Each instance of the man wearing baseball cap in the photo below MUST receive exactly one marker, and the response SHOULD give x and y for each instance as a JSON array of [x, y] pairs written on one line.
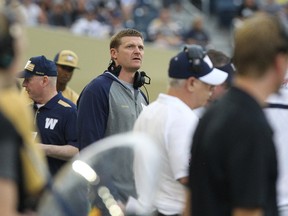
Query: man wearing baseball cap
[[66, 61], [55, 115], [170, 121]]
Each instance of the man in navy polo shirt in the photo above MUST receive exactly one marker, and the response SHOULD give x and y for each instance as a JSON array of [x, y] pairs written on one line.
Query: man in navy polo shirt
[[55, 116]]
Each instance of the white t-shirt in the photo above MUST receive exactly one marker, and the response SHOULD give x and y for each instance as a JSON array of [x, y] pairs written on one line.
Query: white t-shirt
[[171, 124], [278, 118]]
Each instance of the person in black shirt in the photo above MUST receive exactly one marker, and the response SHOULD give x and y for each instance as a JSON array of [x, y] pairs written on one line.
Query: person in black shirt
[[233, 168]]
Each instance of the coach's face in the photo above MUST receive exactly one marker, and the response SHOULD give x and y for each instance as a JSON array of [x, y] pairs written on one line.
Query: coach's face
[[64, 74], [34, 86], [202, 92], [129, 54]]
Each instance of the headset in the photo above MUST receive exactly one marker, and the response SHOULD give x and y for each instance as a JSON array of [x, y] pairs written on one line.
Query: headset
[[140, 78], [195, 54], [7, 51]]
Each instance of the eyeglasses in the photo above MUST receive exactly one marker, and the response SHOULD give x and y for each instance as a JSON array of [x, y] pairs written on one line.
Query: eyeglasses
[[67, 68]]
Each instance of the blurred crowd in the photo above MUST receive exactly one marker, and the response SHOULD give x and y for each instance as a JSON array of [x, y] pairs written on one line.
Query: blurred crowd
[[229, 13], [168, 23]]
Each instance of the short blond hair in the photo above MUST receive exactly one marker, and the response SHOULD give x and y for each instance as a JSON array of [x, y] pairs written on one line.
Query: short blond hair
[[116, 39], [257, 42]]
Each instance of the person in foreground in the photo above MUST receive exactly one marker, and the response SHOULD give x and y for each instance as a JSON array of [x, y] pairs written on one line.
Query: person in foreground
[[23, 168], [233, 168]]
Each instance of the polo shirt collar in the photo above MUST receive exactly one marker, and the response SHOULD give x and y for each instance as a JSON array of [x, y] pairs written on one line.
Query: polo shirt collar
[[51, 103]]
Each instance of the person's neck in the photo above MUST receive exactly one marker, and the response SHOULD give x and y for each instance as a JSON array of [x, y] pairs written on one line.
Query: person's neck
[[61, 87], [127, 76], [259, 89], [182, 95], [47, 97]]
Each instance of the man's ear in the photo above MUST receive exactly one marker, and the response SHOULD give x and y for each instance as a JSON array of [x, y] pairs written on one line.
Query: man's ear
[[281, 63], [113, 53], [45, 80], [190, 84]]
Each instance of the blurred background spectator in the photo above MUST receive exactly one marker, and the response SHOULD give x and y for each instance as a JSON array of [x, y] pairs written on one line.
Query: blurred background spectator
[[163, 22], [164, 31], [247, 8], [88, 25], [180, 15], [271, 7], [127, 7], [33, 13], [143, 13], [61, 13], [197, 34]]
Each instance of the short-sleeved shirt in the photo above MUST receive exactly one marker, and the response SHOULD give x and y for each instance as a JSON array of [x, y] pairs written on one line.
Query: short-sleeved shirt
[[170, 123], [56, 122], [233, 158]]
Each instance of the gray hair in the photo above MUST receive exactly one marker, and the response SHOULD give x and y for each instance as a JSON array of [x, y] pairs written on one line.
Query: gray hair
[[53, 80], [173, 82]]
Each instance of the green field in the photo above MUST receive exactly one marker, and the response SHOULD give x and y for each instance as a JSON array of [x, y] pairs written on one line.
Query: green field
[[94, 56]]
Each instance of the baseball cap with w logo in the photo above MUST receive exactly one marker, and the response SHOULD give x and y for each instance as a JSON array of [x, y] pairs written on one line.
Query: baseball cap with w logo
[[39, 66]]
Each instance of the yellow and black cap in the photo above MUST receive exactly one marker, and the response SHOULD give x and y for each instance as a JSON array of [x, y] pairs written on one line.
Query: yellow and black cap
[[66, 58]]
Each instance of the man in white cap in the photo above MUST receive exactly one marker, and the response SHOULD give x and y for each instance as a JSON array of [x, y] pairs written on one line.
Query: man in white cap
[[66, 61], [170, 121]]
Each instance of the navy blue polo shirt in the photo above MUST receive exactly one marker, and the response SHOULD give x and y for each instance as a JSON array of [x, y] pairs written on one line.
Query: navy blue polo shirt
[[56, 123]]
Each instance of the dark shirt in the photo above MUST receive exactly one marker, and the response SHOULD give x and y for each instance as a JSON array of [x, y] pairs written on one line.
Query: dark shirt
[[233, 162], [244, 11], [56, 122], [200, 36]]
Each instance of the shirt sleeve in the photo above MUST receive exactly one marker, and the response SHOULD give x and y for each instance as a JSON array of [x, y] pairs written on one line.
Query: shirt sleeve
[[93, 110], [71, 129]]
